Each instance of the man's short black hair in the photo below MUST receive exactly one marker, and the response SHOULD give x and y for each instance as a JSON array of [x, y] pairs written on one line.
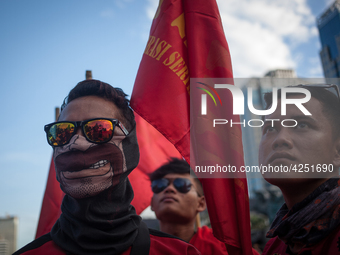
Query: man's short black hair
[[175, 166], [104, 90], [329, 101]]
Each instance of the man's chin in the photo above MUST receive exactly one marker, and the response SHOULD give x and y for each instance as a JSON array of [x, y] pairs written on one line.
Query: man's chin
[[88, 186], [294, 176], [269, 177], [277, 181]]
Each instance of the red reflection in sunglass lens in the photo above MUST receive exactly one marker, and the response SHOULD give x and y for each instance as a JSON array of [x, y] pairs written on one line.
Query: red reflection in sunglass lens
[[98, 130], [60, 133]]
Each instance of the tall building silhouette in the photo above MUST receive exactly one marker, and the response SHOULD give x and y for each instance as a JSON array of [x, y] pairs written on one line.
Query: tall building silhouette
[[8, 235], [329, 30]]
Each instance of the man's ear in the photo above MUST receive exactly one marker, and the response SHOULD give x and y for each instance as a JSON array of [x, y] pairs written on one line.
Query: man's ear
[[201, 204], [336, 160], [151, 205]]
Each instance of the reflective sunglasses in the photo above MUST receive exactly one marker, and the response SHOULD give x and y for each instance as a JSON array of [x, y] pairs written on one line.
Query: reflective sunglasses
[[99, 130], [182, 185], [330, 87]]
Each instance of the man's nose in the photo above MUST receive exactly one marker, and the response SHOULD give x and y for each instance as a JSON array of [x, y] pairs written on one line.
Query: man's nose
[[283, 139], [170, 189], [79, 131]]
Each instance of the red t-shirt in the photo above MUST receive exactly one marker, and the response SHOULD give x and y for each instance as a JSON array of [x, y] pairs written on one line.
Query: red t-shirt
[[159, 245], [206, 243]]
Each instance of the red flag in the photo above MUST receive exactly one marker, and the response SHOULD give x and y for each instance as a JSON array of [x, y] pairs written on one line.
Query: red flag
[[155, 150], [187, 38], [50, 208]]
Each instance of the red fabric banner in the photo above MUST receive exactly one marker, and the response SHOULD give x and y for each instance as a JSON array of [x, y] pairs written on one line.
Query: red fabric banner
[[155, 150], [187, 41], [50, 208]]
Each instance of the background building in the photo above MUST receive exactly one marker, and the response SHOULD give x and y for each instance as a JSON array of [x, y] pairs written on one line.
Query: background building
[[329, 29], [8, 235], [4, 246]]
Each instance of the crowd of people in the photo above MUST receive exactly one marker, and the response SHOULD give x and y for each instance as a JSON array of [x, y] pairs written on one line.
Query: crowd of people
[[97, 215]]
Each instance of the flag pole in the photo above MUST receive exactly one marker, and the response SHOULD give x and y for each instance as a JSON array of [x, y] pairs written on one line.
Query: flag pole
[[57, 113], [53, 196], [88, 75]]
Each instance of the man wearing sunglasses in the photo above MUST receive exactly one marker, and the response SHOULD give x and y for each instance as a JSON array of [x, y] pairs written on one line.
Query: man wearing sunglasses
[[309, 221], [94, 149], [177, 199]]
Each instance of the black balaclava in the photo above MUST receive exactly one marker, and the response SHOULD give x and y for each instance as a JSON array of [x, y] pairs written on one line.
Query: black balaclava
[[97, 217]]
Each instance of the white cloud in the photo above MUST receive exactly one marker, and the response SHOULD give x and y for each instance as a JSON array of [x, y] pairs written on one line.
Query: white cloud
[[262, 33], [151, 8], [253, 48], [285, 18]]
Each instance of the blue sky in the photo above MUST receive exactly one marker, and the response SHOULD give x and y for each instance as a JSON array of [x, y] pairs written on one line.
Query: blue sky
[[46, 47]]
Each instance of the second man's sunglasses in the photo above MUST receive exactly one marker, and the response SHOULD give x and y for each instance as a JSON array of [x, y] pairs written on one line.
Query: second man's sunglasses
[[182, 185]]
